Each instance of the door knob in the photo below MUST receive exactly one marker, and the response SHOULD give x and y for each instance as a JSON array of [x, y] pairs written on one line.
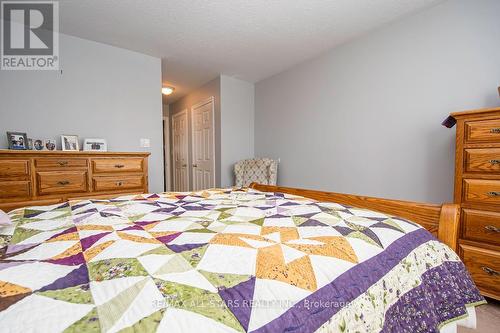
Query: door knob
[[195, 165], [184, 165]]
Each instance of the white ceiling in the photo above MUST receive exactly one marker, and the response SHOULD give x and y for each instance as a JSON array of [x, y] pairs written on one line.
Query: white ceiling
[[247, 39]]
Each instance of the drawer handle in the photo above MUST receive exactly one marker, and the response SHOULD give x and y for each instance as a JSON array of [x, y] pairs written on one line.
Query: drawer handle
[[492, 228], [63, 163], [493, 194], [119, 183], [490, 271], [495, 130], [495, 162], [119, 166], [63, 182]]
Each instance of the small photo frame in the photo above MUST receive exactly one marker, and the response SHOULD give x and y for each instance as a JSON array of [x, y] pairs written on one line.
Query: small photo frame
[[38, 144], [95, 145], [49, 144], [17, 140], [70, 143]]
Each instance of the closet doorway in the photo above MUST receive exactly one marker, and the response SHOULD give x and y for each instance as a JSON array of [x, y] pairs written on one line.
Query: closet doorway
[[193, 146], [180, 151], [203, 140]]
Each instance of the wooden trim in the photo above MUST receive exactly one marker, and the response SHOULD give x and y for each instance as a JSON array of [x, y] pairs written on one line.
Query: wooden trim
[[442, 220], [108, 196], [64, 153], [474, 112], [459, 165], [449, 225], [9, 206]]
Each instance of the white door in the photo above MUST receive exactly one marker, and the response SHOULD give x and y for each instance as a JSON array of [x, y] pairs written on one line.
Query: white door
[[203, 145], [180, 151]]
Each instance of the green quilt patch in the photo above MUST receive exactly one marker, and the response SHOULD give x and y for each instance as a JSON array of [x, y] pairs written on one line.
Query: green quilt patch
[[197, 300], [194, 256], [115, 268], [79, 294], [87, 324]]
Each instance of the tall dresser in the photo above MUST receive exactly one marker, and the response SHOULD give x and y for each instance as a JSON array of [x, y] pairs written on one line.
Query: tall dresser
[[477, 190], [31, 178]]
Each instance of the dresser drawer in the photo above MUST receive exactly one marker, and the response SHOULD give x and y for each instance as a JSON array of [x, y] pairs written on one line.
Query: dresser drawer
[[11, 205], [484, 267], [482, 160], [14, 189], [482, 130], [481, 226], [60, 163], [52, 182], [118, 183], [14, 168], [105, 165], [482, 191]]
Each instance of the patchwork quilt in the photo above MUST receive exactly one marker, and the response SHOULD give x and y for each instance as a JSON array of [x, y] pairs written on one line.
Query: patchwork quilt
[[225, 261]]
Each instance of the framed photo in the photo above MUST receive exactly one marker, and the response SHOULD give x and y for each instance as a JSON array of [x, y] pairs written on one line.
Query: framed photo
[[95, 145], [17, 140], [49, 144], [70, 142], [37, 144]]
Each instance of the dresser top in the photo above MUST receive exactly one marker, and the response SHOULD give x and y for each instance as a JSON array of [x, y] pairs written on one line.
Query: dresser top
[[70, 153], [474, 112]]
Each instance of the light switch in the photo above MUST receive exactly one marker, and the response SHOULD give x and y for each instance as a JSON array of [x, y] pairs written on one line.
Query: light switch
[[145, 143]]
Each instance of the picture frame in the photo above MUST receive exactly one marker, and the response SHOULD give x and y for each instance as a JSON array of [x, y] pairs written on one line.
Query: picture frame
[[70, 142], [17, 140], [38, 144], [49, 144], [95, 144]]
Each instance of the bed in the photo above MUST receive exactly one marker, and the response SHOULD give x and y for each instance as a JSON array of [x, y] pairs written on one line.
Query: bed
[[258, 259]]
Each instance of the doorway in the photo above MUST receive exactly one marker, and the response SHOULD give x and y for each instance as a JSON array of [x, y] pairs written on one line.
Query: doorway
[[180, 151], [166, 154], [203, 145]]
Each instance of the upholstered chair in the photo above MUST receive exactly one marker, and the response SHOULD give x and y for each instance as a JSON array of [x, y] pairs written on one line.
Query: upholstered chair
[[260, 170]]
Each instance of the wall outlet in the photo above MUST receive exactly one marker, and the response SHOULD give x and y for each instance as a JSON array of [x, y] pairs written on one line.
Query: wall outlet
[[145, 143]]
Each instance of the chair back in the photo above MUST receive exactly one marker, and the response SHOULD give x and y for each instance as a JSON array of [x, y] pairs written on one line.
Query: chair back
[[259, 170]]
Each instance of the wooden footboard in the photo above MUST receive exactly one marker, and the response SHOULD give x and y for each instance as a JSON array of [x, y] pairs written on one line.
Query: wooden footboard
[[441, 220]]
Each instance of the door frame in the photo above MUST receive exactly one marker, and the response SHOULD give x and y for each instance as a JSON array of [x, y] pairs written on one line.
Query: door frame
[[167, 163], [211, 99], [186, 147]]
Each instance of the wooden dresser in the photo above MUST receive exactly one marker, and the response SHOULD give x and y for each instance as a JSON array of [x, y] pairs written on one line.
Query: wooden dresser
[[29, 178], [477, 190]]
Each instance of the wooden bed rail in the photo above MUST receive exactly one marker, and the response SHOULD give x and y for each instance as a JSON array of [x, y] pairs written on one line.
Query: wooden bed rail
[[441, 220]]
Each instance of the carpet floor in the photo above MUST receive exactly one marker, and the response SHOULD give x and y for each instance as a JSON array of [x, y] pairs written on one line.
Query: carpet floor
[[488, 318]]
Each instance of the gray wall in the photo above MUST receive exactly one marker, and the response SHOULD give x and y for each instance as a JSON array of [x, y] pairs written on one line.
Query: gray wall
[[237, 125], [103, 92], [365, 117], [204, 92]]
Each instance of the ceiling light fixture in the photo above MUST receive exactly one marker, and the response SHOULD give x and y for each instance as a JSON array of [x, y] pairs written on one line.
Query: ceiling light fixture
[[167, 90]]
